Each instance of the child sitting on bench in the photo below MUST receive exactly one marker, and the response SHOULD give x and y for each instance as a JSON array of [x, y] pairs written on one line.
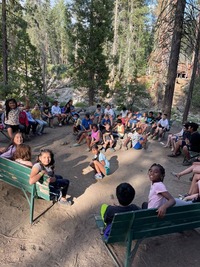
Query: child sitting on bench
[[125, 194], [159, 198]]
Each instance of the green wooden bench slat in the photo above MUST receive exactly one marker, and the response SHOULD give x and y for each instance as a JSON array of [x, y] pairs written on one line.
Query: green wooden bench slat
[[17, 175], [145, 223]]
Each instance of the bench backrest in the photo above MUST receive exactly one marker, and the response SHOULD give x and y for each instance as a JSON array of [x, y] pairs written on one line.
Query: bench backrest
[[17, 175], [145, 223]]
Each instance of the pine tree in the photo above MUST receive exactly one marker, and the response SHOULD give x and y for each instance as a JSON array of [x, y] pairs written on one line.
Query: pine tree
[[92, 32]]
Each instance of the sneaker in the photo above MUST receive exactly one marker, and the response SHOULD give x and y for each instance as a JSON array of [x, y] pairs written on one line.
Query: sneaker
[[98, 176], [76, 144], [65, 202], [39, 134], [87, 150], [103, 150], [60, 124], [112, 149]]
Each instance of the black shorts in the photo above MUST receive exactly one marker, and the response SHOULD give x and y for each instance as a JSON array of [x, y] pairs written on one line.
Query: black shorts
[[15, 128]]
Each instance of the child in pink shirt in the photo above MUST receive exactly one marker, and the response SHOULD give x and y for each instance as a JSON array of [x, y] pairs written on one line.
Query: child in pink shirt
[[159, 197]]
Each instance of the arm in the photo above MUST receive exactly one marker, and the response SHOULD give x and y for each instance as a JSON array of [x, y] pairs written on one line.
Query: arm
[[104, 137], [35, 175], [171, 202], [98, 137]]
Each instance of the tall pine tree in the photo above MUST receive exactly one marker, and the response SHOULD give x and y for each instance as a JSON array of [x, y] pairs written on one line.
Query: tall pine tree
[[92, 32]]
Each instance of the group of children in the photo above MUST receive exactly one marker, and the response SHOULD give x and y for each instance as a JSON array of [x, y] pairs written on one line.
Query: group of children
[[131, 129], [19, 117], [159, 197], [21, 153]]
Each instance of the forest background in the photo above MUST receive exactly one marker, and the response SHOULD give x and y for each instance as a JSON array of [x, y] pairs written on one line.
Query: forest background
[[129, 52]]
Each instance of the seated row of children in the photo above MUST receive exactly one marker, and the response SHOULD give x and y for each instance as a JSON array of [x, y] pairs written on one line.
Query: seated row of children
[[106, 134], [17, 116], [187, 140]]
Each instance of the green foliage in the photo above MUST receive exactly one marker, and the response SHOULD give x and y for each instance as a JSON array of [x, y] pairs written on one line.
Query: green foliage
[[130, 95], [80, 105], [92, 30], [24, 72], [196, 94]]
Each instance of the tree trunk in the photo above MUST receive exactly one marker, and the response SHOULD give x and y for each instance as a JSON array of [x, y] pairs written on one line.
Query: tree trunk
[[194, 71], [4, 46], [174, 57], [114, 47]]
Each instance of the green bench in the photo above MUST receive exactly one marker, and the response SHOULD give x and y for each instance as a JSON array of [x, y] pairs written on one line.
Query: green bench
[[142, 224], [17, 175]]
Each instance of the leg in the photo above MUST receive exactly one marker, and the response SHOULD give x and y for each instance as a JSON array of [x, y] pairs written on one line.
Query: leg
[[88, 141], [194, 185], [61, 183], [83, 136], [168, 140], [99, 167], [10, 132], [186, 152]]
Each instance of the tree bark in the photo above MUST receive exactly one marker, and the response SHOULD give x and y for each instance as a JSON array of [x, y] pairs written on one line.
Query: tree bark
[[174, 57], [4, 46], [194, 71]]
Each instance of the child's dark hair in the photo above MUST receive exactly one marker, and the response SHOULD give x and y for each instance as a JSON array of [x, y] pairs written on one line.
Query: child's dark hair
[[95, 125], [138, 128], [161, 168], [8, 109], [51, 155], [87, 115], [119, 121], [95, 146], [23, 152], [125, 194]]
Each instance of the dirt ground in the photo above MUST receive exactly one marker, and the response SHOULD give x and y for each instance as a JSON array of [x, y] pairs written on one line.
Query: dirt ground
[[67, 236]]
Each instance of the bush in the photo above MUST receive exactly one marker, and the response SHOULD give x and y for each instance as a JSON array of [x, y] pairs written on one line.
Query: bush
[[80, 105]]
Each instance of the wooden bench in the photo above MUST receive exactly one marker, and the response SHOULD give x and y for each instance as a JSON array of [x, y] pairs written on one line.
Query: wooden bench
[[17, 175], [142, 224]]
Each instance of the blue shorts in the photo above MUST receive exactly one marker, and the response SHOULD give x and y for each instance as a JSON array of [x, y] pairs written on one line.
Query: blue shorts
[[137, 146]]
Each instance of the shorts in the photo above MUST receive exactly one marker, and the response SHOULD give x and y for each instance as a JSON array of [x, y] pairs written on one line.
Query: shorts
[[138, 146], [107, 170], [15, 128]]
